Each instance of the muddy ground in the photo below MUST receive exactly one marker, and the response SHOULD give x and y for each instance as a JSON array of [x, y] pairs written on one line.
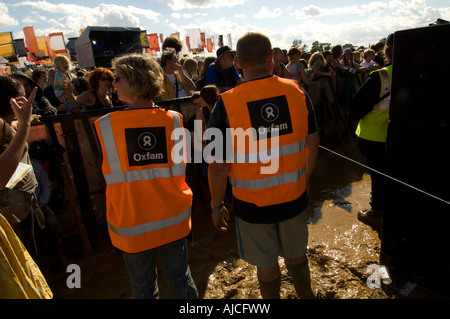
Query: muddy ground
[[340, 248]]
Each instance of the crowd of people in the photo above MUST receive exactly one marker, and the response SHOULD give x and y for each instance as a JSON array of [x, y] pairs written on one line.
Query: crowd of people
[[220, 89]]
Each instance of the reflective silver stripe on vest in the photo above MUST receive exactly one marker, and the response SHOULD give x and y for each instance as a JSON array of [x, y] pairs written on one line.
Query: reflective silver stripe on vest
[[148, 174], [150, 226], [269, 181], [269, 154], [109, 143], [386, 88], [117, 175]]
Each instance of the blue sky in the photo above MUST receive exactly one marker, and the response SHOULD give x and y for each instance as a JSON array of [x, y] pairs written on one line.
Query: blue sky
[[358, 22]]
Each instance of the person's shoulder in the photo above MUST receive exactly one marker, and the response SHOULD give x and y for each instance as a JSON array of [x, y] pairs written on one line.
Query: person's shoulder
[[212, 66], [375, 74]]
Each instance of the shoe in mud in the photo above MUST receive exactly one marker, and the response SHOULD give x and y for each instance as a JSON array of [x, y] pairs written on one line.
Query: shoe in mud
[[370, 217]]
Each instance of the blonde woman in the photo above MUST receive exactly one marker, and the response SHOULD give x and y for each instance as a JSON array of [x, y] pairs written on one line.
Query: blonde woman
[[191, 67], [317, 61], [148, 203]]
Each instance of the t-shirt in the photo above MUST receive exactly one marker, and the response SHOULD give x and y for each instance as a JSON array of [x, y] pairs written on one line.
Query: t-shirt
[[213, 78], [295, 69], [177, 85]]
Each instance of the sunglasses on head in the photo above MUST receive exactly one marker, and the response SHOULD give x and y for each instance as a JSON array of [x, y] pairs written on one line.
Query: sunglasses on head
[[105, 79]]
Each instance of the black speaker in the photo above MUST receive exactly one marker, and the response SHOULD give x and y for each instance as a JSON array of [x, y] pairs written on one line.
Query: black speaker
[[416, 222]]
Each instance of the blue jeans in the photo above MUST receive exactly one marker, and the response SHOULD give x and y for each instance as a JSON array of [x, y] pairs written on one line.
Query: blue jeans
[[143, 274]]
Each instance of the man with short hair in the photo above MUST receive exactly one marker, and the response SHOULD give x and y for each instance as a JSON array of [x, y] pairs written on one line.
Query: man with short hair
[[222, 72], [269, 204]]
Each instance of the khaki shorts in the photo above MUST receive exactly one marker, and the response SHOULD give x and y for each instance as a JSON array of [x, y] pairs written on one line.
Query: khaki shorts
[[261, 244]]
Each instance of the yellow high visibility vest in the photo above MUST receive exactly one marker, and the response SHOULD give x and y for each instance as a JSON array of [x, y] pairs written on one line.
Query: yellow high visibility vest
[[373, 126]]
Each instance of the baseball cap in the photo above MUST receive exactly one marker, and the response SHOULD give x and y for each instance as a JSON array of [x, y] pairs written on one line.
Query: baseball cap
[[220, 51]]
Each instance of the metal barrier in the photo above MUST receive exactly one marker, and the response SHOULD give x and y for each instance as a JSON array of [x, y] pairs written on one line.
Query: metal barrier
[[79, 165]]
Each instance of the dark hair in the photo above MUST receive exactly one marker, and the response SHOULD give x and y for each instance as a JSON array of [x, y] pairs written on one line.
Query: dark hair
[[195, 95], [9, 88], [210, 93], [336, 51], [172, 42], [167, 54], [206, 64], [37, 73]]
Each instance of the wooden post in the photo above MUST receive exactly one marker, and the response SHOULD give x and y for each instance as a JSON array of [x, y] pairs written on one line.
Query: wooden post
[[72, 196]]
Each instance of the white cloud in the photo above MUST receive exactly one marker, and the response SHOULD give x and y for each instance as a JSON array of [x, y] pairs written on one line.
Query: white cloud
[[28, 21], [265, 13], [374, 7], [75, 17], [178, 15], [367, 24], [190, 4], [5, 19], [315, 11]]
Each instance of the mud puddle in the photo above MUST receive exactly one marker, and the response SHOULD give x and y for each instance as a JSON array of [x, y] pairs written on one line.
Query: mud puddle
[[340, 249]]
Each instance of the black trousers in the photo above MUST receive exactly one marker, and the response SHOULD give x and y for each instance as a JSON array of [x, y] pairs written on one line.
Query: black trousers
[[375, 154]]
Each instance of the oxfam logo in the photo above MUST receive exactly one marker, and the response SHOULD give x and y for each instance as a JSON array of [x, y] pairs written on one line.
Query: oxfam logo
[[270, 112], [147, 141]]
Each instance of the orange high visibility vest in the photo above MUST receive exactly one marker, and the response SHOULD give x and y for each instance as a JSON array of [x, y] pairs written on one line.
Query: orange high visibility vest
[[263, 108], [148, 203]]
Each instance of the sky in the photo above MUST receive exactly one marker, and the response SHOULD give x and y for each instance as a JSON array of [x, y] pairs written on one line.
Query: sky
[[358, 22]]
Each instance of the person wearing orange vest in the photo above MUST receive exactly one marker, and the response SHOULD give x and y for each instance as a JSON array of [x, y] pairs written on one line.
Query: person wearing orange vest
[[148, 203], [370, 106], [272, 134]]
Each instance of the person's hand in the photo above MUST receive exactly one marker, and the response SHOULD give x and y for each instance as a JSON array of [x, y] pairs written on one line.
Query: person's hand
[[179, 68], [22, 107], [317, 71], [67, 86], [220, 219]]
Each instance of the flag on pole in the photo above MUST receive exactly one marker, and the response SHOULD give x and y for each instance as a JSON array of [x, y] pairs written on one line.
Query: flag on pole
[[21, 49], [195, 39], [42, 44], [188, 43], [209, 45], [153, 41], [7, 49], [203, 39], [56, 45], [220, 42], [31, 42], [229, 40], [144, 39]]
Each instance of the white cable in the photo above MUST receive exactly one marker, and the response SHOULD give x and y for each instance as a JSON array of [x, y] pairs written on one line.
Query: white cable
[[394, 179]]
